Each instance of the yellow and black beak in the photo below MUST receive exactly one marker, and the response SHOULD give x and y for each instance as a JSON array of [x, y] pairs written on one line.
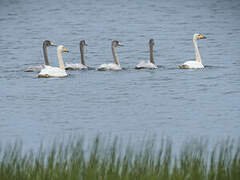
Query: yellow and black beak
[[65, 50], [202, 37]]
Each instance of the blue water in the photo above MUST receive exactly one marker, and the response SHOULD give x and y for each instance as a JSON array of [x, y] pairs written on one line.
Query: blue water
[[129, 103]]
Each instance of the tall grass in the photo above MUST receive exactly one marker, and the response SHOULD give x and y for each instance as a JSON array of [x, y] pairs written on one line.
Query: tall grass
[[111, 161]]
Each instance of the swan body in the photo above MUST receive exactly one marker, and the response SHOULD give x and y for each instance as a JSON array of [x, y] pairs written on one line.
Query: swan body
[[148, 64], [38, 68], [77, 66], [50, 71], [191, 65], [197, 64], [82, 65], [112, 66]]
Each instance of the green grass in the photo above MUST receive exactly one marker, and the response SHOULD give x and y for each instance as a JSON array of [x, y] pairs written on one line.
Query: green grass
[[110, 161]]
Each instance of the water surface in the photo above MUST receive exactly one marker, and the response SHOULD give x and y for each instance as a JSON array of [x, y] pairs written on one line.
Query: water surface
[[129, 103]]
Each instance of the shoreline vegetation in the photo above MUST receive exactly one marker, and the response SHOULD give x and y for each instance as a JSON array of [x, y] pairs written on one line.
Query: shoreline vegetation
[[102, 160]]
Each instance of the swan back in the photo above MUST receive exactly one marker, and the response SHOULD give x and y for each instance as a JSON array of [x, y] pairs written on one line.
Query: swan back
[[111, 66], [191, 65], [37, 68], [77, 66], [49, 71], [146, 65]]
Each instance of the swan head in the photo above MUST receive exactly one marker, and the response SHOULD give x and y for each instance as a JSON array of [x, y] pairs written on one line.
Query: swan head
[[151, 42], [62, 49], [116, 43], [48, 43], [198, 36], [83, 43]]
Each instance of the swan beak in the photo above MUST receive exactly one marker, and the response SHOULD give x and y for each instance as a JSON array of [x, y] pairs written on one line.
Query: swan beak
[[52, 44], [203, 37], [65, 50]]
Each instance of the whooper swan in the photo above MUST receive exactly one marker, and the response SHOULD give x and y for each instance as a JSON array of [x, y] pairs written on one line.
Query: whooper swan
[[148, 64], [82, 65], [50, 71], [38, 68], [198, 63], [115, 65]]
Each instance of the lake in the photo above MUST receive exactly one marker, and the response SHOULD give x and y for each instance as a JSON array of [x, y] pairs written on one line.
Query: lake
[[130, 103]]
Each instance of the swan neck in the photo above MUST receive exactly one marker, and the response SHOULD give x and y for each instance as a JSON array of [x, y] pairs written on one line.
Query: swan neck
[[198, 57], [60, 60], [82, 55], [45, 55], [115, 56], [151, 54]]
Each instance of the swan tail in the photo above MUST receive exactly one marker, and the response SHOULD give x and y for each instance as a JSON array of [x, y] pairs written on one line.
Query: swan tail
[[32, 69]]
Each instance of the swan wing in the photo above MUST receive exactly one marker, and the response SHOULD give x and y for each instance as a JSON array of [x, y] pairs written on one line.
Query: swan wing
[[37, 68], [112, 66]]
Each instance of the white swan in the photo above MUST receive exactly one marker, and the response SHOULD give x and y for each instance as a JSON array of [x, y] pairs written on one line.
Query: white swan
[[198, 63], [50, 71], [115, 65], [82, 65], [38, 68], [148, 64]]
